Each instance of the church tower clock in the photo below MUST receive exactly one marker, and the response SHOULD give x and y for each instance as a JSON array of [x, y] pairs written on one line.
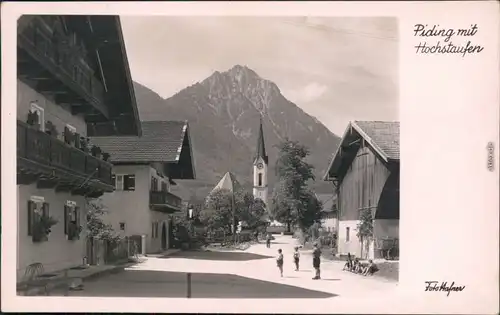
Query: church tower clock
[[260, 168]]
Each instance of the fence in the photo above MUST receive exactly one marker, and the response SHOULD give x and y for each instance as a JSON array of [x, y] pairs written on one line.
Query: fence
[[227, 238], [101, 252], [118, 251]]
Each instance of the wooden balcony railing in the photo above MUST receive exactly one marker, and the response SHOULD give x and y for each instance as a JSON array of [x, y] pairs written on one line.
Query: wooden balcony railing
[[64, 55], [39, 147], [165, 199]]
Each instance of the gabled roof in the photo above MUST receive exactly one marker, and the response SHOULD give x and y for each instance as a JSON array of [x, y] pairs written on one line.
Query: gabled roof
[[381, 136], [228, 182], [161, 141], [106, 37], [261, 147]]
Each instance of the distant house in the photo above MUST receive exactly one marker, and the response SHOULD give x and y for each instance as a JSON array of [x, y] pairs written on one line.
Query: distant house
[[365, 173], [144, 168], [328, 212], [67, 89]]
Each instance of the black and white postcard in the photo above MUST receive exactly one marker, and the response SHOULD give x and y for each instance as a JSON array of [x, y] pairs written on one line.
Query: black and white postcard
[[250, 157]]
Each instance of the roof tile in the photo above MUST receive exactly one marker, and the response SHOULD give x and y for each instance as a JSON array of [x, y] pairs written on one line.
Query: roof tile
[[161, 141], [384, 134]]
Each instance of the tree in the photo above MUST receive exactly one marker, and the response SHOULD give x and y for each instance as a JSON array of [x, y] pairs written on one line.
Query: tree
[[280, 206], [96, 228], [292, 201], [250, 210], [365, 226], [217, 213]]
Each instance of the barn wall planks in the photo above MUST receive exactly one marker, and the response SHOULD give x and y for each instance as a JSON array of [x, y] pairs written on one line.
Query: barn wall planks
[[362, 185]]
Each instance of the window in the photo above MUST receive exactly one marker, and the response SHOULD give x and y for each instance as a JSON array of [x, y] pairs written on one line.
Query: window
[[36, 210], [260, 179], [154, 230], [347, 236], [41, 114], [128, 182], [154, 183], [164, 186], [122, 226], [123, 182], [71, 219]]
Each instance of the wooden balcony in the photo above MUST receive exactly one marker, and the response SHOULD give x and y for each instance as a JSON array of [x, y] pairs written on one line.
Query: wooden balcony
[[164, 201], [53, 164], [57, 63]]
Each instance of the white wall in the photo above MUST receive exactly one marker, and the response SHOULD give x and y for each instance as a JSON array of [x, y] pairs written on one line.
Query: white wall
[[57, 253], [381, 229], [59, 115], [130, 207], [352, 246]]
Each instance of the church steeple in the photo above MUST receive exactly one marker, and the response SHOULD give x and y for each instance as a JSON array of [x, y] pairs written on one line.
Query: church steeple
[[260, 167], [261, 148]]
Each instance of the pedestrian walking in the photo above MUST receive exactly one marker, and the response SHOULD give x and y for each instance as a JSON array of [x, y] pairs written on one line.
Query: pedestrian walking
[[268, 240], [317, 261], [279, 261], [296, 258]]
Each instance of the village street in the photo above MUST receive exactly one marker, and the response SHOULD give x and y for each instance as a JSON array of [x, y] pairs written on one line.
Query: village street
[[249, 274]]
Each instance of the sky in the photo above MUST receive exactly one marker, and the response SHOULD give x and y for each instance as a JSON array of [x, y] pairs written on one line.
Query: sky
[[336, 69]]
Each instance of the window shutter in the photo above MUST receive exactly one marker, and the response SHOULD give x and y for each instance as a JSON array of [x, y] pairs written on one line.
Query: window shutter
[[66, 221], [77, 213], [45, 209], [119, 182], [129, 182], [30, 217]]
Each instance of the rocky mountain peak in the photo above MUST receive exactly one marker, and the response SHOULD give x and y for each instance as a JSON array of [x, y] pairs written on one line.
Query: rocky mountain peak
[[240, 79], [223, 111]]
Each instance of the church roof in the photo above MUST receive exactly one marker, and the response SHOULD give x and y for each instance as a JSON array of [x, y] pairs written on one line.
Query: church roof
[[261, 148], [228, 182]]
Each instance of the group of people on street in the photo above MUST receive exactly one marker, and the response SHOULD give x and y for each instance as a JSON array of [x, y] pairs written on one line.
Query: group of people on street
[[296, 260], [358, 267]]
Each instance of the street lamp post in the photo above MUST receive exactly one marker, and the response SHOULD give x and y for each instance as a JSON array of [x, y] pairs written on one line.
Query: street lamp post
[[190, 219], [234, 217]]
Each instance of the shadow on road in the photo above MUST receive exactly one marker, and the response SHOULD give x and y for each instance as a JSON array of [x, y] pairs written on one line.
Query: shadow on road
[[149, 283], [217, 255]]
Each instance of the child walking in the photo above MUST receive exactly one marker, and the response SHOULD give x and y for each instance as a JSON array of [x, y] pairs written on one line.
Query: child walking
[[296, 258], [279, 261], [317, 261]]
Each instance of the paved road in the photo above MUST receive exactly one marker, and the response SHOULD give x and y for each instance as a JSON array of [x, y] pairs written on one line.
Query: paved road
[[249, 274]]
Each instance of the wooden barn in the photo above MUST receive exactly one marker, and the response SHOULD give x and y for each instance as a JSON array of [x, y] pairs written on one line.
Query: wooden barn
[[365, 175]]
